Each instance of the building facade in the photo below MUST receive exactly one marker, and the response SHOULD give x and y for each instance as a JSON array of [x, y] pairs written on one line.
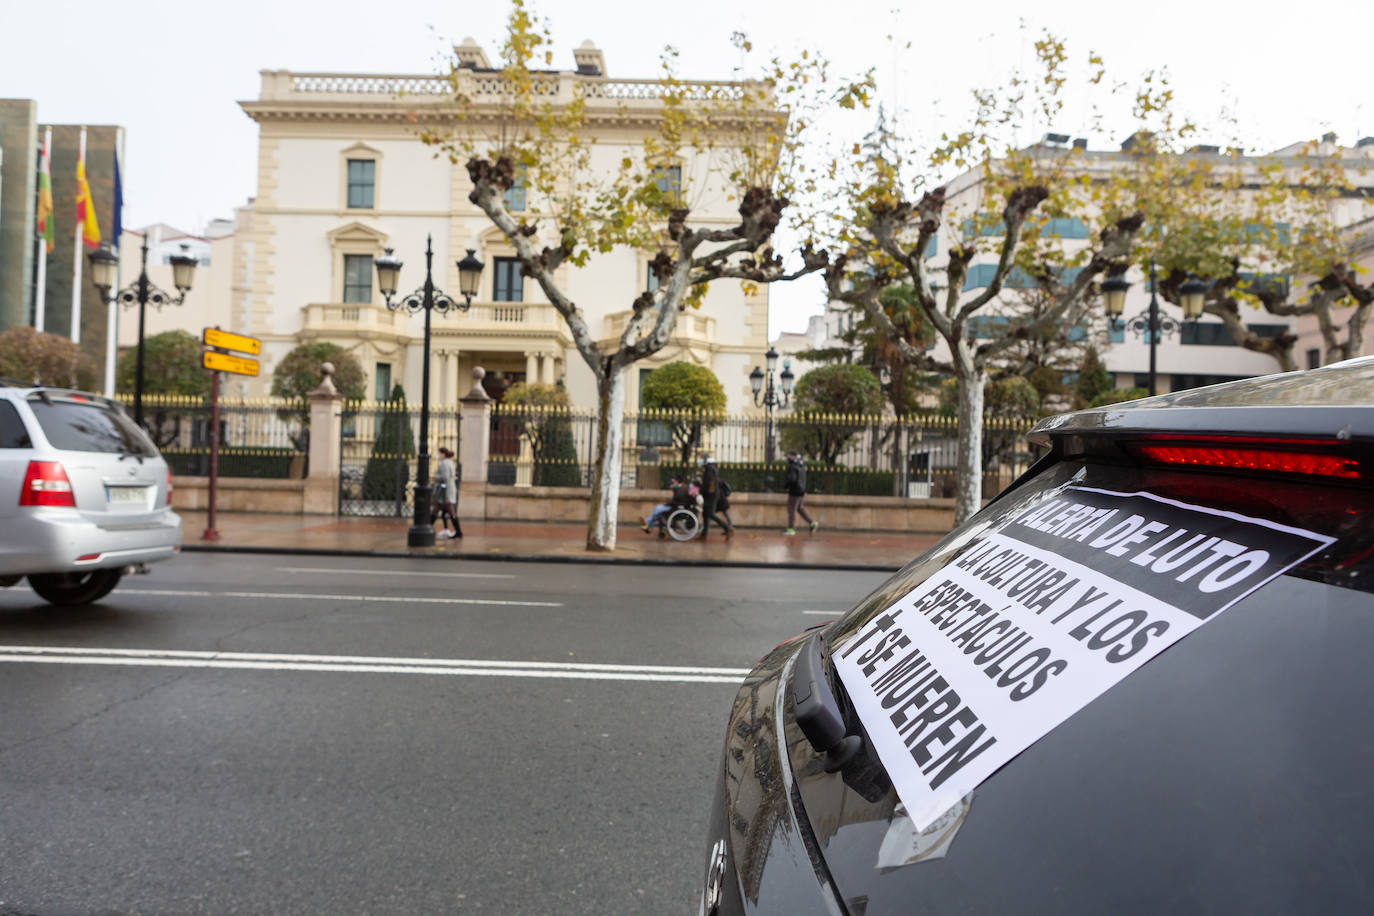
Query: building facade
[[1198, 353], [21, 136], [342, 177]]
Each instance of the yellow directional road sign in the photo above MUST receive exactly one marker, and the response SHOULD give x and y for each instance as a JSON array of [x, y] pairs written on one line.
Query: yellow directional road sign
[[223, 362], [214, 337]]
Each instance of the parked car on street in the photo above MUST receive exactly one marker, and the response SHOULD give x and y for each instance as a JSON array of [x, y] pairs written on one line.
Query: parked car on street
[[84, 494], [1138, 680]]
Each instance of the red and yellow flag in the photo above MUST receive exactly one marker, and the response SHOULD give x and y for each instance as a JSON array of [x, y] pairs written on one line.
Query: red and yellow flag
[[45, 200], [85, 209]]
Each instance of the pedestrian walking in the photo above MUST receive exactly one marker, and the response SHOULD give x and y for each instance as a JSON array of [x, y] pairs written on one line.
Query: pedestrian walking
[[445, 501], [710, 498], [796, 494]]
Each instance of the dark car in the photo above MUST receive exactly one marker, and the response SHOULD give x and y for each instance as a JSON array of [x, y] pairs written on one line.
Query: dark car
[[1139, 680]]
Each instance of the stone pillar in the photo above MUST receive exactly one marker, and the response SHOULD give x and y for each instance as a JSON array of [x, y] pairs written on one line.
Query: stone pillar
[[326, 424], [474, 448], [531, 367], [546, 370]]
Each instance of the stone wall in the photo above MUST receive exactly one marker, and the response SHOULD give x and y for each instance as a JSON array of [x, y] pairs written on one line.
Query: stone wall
[[240, 494]]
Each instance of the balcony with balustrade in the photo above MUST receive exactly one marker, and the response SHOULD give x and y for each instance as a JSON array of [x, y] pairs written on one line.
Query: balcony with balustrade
[[516, 327], [691, 331]]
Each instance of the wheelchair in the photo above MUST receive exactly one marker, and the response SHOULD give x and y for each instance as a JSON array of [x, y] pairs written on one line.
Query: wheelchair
[[682, 524]]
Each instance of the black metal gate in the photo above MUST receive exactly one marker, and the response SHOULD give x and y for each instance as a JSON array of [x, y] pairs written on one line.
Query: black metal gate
[[377, 455]]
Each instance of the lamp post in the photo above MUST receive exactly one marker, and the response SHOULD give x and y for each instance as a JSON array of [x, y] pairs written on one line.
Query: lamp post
[[768, 397], [1151, 322], [427, 298], [104, 270]]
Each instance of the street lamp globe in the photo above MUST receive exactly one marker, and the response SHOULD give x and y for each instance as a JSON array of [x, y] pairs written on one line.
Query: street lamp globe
[[1192, 295], [787, 377], [388, 273], [756, 380], [469, 274], [104, 267], [1114, 294], [183, 269], [771, 360]]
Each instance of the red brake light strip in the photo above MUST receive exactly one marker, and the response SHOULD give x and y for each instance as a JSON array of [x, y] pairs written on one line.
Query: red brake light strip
[[1255, 459]]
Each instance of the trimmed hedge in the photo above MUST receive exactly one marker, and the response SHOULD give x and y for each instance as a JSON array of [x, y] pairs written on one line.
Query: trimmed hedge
[[268, 463], [749, 478]]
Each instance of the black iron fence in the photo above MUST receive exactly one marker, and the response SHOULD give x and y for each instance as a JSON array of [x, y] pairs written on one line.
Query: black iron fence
[[877, 455], [259, 437], [378, 454]]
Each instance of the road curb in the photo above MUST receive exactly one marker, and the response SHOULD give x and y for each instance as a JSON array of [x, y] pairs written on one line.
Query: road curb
[[535, 558]]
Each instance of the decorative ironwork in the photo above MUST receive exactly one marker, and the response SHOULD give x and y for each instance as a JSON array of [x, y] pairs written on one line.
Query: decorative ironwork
[[414, 303], [1139, 325], [157, 298]]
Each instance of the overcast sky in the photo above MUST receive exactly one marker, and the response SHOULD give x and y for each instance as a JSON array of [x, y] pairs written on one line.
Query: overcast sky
[[172, 73]]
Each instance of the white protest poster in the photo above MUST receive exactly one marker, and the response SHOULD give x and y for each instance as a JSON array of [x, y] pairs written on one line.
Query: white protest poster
[[1034, 621]]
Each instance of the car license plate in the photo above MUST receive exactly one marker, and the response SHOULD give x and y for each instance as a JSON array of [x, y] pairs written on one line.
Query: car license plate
[[127, 497]]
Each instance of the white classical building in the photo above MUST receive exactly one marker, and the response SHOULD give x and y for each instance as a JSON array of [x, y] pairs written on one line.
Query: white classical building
[[342, 176]]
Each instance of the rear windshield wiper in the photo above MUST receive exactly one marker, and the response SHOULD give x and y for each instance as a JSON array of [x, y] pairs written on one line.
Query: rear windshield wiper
[[818, 711], [131, 454]]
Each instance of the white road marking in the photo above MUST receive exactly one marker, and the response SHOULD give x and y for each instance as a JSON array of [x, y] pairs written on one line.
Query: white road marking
[[175, 658], [187, 593], [391, 572]]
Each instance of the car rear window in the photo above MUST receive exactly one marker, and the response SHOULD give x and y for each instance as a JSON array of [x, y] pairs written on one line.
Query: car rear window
[[12, 431], [86, 426]]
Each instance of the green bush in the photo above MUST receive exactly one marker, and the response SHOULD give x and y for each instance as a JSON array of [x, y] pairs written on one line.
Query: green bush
[[749, 478], [265, 463], [388, 468]]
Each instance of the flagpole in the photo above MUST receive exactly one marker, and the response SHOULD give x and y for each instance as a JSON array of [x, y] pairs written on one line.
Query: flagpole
[[76, 255], [40, 308], [112, 310]]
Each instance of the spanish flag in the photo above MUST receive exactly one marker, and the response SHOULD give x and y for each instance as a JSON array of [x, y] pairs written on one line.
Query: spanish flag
[[85, 209], [45, 199]]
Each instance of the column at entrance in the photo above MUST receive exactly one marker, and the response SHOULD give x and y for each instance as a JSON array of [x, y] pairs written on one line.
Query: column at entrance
[[531, 367], [547, 362]]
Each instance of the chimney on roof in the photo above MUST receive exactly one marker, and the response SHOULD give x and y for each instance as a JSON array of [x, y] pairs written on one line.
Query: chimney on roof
[[1137, 141], [1363, 142], [471, 56], [590, 61], [1329, 137], [1205, 149], [1081, 143], [1051, 139]]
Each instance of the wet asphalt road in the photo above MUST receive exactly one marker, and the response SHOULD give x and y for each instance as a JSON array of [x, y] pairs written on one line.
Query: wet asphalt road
[[269, 734]]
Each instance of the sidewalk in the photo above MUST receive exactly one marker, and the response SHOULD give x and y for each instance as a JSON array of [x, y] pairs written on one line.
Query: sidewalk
[[270, 533]]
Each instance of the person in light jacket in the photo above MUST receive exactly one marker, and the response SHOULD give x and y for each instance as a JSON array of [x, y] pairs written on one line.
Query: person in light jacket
[[445, 505]]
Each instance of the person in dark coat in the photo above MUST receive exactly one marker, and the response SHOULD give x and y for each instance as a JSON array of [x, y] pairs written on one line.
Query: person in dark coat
[[710, 498], [796, 494]]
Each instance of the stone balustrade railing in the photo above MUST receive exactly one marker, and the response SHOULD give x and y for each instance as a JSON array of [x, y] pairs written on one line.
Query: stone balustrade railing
[[284, 85]]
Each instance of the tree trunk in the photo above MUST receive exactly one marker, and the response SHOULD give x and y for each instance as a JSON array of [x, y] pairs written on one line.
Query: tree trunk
[[605, 505], [970, 380]]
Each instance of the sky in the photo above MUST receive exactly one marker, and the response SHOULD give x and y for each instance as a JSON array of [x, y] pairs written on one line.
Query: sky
[[172, 73]]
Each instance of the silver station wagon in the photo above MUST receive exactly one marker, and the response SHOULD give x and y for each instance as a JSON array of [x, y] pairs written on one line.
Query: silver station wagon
[[84, 494]]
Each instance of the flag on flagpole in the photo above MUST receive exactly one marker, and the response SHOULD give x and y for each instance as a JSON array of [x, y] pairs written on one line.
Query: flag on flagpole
[[85, 209], [118, 203], [45, 222]]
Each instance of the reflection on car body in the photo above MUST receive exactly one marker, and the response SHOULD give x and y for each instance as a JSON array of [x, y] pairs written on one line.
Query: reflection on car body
[[1226, 773]]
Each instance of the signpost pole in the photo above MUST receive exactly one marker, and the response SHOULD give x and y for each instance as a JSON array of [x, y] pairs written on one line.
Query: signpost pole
[[211, 533]]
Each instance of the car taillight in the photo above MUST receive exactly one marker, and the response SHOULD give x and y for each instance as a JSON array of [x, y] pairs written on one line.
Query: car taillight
[[1306, 457], [169, 486], [46, 484]]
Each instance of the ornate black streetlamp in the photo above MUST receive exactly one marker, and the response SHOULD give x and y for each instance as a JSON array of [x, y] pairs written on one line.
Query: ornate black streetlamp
[[1150, 324], [768, 397], [429, 298], [104, 274]]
